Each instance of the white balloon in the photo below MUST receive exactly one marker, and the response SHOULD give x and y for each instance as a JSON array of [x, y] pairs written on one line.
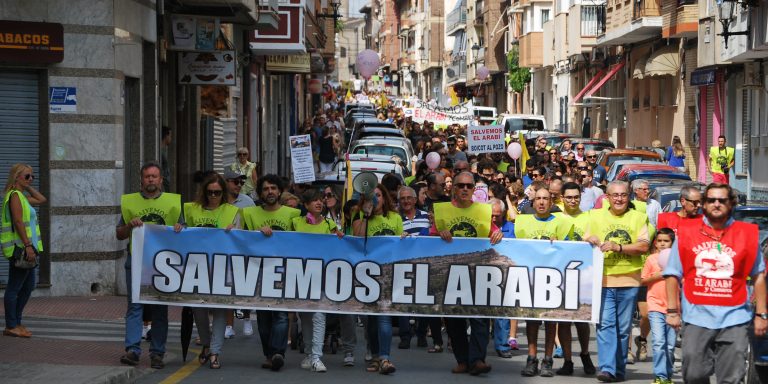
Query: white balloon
[[514, 150], [664, 258], [483, 73], [367, 63], [433, 160]]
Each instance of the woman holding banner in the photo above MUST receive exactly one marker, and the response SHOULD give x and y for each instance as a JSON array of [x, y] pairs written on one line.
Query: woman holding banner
[[210, 210], [313, 323], [379, 218]]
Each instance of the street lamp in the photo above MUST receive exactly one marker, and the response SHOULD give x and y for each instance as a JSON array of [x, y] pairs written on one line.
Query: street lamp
[[422, 54], [335, 15], [725, 12], [475, 50]]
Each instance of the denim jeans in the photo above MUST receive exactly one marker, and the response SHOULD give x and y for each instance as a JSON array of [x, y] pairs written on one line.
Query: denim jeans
[[313, 331], [614, 329], [381, 327], [468, 349], [134, 323], [21, 282], [348, 333], [501, 334], [273, 331], [663, 345]]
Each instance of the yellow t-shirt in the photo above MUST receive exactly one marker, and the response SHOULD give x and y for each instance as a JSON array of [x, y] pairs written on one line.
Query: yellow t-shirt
[[256, 218]]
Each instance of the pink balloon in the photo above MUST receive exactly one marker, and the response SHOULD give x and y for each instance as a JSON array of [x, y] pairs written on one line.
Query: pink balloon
[[482, 73], [664, 258], [367, 63], [433, 160], [514, 150]]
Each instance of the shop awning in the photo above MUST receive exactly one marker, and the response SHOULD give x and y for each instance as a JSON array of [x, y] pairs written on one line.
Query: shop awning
[[638, 72], [663, 62], [589, 85], [616, 68]]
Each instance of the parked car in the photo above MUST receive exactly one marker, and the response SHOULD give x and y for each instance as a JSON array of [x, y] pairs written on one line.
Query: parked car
[[607, 158], [515, 122], [618, 165], [378, 164], [385, 145], [658, 169], [590, 144], [373, 127], [647, 174]]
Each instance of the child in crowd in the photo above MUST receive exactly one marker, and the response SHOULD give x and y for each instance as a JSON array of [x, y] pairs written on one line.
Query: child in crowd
[[663, 335]]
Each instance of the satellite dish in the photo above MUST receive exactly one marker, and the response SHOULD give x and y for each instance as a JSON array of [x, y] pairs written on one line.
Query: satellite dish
[[364, 183]]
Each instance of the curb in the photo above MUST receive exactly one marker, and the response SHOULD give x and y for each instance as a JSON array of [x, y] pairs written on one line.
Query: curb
[[13, 373]]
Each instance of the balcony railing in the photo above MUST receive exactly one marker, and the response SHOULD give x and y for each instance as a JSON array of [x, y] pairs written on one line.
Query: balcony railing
[[456, 72], [646, 8], [592, 20], [456, 19], [479, 10]]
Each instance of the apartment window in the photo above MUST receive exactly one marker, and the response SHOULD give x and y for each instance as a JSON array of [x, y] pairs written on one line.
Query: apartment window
[[544, 16], [592, 20], [343, 52]]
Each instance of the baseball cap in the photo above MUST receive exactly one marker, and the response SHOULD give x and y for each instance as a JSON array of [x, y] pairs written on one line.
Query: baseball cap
[[230, 174]]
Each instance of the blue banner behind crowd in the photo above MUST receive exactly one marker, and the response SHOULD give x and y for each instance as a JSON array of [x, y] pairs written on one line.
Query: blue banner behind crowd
[[291, 271]]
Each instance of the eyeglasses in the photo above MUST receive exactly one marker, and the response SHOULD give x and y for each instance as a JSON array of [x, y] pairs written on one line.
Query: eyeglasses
[[694, 202], [721, 200], [488, 175], [237, 181], [29, 176], [464, 186], [619, 195], [214, 192]]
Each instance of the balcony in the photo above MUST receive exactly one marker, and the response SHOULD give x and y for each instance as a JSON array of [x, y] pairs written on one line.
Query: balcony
[[456, 21], [630, 22], [456, 72], [680, 20], [592, 20], [531, 50]]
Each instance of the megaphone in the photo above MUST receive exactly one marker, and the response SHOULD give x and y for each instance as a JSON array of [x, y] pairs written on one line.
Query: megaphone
[[364, 183]]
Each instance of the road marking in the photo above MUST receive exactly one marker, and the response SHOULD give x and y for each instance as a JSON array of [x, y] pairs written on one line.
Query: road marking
[[185, 370]]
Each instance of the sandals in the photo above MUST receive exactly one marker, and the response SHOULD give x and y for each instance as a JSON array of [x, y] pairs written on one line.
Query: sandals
[[205, 353], [214, 361], [373, 366], [386, 367], [437, 348]]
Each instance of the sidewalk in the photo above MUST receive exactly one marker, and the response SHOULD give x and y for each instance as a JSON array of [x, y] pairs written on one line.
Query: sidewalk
[[51, 360]]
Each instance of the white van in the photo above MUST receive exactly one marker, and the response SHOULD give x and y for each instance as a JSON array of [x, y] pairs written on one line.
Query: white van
[[519, 122], [484, 114]]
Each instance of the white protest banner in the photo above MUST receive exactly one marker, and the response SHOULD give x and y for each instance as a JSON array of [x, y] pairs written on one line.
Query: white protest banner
[[424, 275], [440, 116], [485, 138], [302, 164]]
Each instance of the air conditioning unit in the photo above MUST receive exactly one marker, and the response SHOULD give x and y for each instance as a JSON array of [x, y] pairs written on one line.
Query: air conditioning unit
[[752, 76], [598, 55]]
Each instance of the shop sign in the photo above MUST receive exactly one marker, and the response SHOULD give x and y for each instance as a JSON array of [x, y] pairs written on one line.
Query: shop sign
[[207, 68], [289, 63], [703, 76], [28, 42], [315, 86], [194, 33]]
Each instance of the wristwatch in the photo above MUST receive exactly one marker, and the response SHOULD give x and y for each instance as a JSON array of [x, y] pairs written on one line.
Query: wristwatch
[[762, 315]]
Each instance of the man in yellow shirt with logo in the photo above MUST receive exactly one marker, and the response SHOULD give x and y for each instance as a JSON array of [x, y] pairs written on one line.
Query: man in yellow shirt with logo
[[542, 225], [271, 216], [721, 160], [622, 235]]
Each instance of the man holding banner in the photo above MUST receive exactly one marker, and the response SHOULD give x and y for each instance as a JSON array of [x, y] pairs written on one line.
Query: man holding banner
[[542, 225], [464, 218], [273, 325], [622, 234], [150, 205]]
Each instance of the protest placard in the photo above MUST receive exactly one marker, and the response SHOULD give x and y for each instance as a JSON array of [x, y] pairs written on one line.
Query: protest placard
[[526, 279], [485, 138], [302, 163]]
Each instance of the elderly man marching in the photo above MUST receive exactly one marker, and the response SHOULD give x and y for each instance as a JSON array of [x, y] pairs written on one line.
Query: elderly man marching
[[622, 235], [465, 218], [713, 257]]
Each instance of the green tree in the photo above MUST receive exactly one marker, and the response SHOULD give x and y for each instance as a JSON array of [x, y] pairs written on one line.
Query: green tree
[[517, 76]]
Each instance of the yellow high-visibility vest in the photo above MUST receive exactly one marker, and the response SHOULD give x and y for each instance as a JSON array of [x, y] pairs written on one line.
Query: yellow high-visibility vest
[[8, 236]]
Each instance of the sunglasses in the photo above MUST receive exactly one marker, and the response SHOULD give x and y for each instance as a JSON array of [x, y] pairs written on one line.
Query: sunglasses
[[242, 154], [29, 176], [237, 181], [214, 193], [694, 202], [591, 156], [535, 174], [712, 200], [464, 186], [579, 149], [330, 196], [582, 168]]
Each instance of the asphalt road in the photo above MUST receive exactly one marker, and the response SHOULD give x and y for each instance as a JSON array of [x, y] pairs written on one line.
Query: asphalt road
[[242, 357]]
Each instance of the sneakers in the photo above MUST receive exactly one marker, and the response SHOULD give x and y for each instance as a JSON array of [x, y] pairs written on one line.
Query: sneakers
[[558, 352], [513, 344], [349, 359], [546, 367], [156, 361], [661, 380], [247, 327], [630, 357], [531, 367], [642, 348], [229, 332], [277, 362], [130, 358], [567, 369], [145, 330], [586, 362], [318, 366], [306, 363]]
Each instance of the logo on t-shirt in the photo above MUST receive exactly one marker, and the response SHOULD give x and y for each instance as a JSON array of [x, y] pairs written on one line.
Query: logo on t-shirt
[[463, 229], [151, 217], [714, 260]]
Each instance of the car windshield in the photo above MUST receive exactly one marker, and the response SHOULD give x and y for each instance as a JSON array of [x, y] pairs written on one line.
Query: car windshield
[[759, 217], [381, 150]]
